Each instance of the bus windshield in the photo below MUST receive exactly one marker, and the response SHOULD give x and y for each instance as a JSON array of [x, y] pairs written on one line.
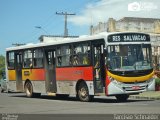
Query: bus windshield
[[129, 57]]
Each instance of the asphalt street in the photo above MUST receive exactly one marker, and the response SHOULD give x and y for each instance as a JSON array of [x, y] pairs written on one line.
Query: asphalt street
[[19, 103]]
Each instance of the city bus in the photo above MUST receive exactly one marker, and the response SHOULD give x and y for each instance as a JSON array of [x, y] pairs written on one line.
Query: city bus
[[107, 64]]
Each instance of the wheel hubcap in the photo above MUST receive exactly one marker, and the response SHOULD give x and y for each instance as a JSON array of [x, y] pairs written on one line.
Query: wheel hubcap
[[83, 92], [28, 89]]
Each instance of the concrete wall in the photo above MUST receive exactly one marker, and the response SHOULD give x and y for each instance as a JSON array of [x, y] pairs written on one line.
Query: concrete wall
[[147, 25]]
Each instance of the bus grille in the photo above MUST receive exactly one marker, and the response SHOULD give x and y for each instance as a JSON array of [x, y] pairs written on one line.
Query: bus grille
[[134, 87]]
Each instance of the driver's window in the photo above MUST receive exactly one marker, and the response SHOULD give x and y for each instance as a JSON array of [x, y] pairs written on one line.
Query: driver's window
[[123, 50], [113, 59], [113, 51]]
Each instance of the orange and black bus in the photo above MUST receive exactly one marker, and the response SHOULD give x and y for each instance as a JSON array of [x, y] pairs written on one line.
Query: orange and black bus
[[109, 64]]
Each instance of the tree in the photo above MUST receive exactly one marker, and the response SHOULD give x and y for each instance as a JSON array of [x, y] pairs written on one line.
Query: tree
[[2, 65]]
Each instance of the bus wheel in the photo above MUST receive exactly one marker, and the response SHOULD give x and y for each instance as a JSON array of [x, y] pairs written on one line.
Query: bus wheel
[[83, 93], [29, 89], [122, 98]]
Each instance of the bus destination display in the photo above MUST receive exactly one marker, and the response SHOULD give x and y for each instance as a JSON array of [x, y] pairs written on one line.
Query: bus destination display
[[128, 38]]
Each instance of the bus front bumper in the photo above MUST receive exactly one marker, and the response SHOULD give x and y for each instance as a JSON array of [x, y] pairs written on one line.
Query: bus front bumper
[[115, 88]]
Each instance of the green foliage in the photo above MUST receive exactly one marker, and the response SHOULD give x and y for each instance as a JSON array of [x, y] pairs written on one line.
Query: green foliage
[[157, 80], [2, 65]]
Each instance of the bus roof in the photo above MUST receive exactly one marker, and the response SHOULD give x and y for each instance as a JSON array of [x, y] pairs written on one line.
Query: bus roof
[[102, 35], [63, 41]]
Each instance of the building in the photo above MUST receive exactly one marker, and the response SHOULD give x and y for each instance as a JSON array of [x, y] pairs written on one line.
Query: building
[[146, 25]]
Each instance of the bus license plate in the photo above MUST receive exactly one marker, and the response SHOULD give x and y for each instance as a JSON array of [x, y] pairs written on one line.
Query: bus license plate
[[135, 87]]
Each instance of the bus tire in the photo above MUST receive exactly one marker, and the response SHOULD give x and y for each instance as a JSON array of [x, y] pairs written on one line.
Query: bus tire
[[29, 89], [83, 93], [122, 98]]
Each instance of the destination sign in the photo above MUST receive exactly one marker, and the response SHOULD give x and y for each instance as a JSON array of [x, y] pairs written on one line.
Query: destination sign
[[129, 37]]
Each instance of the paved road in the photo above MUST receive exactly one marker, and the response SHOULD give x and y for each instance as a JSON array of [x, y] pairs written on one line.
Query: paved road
[[18, 103]]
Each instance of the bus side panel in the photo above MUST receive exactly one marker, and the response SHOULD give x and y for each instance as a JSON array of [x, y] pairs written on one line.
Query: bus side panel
[[69, 87], [33, 74], [107, 83], [37, 78], [11, 76], [38, 86], [74, 73], [67, 79]]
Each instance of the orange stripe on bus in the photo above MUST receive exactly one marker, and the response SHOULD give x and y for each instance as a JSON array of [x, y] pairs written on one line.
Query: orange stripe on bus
[[11, 75], [33, 74]]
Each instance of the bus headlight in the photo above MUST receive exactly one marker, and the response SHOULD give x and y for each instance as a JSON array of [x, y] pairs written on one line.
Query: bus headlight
[[114, 81]]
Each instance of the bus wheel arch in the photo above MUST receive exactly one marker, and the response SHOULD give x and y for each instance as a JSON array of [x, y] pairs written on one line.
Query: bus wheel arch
[[82, 91], [28, 87], [77, 84]]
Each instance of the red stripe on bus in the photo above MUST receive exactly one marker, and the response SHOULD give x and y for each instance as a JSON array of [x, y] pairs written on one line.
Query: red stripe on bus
[[107, 83], [74, 73]]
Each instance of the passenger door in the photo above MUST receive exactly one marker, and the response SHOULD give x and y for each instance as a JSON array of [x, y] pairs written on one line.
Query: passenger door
[[50, 66], [99, 66], [18, 69]]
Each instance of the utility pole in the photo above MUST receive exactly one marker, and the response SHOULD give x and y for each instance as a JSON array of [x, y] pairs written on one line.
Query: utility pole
[[65, 21]]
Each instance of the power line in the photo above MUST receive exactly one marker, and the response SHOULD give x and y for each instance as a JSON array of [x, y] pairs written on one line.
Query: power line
[[39, 27], [17, 44], [65, 21]]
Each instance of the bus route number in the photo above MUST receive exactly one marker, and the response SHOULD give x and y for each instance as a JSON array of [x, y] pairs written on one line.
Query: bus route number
[[116, 38]]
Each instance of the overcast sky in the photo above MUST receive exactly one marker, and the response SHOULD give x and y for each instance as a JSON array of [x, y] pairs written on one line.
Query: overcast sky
[[18, 18]]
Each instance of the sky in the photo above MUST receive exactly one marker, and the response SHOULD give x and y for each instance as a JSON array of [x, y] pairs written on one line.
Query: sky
[[19, 19]]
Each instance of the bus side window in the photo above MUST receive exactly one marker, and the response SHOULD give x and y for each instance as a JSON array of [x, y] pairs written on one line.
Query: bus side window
[[59, 61], [75, 60], [38, 58], [27, 63], [11, 60], [86, 56], [64, 55], [27, 59], [81, 54], [58, 52]]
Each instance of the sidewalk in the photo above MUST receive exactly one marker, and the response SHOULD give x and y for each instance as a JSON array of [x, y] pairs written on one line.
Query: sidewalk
[[150, 95]]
